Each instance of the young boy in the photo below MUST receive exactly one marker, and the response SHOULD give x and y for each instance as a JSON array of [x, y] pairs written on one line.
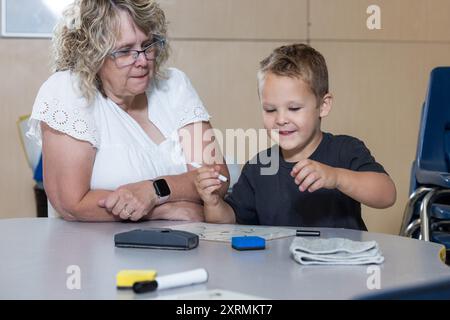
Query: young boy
[[322, 178]]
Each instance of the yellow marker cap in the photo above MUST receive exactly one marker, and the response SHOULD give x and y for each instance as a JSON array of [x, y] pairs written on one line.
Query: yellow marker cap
[[126, 278]]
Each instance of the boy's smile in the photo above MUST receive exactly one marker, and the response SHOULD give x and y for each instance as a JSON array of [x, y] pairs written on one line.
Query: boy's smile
[[284, 133], [292, 115]]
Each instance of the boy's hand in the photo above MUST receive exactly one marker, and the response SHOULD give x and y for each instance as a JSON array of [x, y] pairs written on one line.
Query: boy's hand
[[312, 175], [207, 183]]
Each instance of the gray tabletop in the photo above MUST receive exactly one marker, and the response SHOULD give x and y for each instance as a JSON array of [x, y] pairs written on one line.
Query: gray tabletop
[[36, 254]]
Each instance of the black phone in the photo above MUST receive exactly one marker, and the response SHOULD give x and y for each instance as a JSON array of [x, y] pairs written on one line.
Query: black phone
[[157, 238]]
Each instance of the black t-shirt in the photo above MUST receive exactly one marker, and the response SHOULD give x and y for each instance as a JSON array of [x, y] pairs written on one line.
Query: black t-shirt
[[275, 200]]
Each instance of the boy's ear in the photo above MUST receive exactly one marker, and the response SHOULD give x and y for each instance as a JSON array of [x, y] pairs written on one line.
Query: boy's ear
[[327, 103]]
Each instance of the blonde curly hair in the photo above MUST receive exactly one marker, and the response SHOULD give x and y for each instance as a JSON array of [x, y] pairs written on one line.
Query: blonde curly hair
[[87, 34]]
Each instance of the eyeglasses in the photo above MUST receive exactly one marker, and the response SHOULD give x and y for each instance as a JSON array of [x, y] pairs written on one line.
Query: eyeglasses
[[124, 58]]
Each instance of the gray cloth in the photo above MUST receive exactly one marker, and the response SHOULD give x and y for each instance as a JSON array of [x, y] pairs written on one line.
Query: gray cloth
[[335, 251]]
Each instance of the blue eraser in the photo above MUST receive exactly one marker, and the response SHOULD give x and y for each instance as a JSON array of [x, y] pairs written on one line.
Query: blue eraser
[[248, 243]]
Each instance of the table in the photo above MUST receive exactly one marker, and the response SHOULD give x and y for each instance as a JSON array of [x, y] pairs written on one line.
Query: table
[[37, 252]]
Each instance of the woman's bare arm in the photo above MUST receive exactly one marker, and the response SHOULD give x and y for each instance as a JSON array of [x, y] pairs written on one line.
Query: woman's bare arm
[[67, 168]]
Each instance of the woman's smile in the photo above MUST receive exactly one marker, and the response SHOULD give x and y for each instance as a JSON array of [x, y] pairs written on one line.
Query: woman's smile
[[140, 76]]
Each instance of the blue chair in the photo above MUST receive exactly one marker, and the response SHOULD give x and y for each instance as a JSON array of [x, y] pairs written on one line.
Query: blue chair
[[427, 212], [33, 154], [38, 174]]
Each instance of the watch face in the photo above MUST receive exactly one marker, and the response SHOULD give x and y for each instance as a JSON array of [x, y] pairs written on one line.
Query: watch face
[[162, 188]]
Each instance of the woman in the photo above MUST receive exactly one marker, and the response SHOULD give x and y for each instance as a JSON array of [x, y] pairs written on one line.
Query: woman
[[111, 119]]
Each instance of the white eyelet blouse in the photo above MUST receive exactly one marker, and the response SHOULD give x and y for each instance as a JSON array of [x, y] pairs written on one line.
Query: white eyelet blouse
[[124, 152]]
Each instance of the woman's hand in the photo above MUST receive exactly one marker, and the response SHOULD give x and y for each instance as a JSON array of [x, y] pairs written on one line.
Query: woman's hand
[[131, 201]]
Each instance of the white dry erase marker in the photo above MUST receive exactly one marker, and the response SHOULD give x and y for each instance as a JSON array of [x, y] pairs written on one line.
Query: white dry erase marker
[[172, 281], [198, 166]]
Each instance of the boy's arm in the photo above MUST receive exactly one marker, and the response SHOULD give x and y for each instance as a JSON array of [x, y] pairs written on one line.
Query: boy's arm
[[373, 189], [221, 212], [208, 184]]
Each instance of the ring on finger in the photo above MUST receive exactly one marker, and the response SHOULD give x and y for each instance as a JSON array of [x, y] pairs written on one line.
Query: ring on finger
[[129, 212]]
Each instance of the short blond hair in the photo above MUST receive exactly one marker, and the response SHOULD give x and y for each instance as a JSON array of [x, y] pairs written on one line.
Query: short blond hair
[[88, 31], [297, 61]]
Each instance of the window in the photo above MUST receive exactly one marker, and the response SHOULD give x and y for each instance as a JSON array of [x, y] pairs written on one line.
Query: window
[[30, 18]]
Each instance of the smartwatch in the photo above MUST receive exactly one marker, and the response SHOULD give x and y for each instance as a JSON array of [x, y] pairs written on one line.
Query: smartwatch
[[162, 190]]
